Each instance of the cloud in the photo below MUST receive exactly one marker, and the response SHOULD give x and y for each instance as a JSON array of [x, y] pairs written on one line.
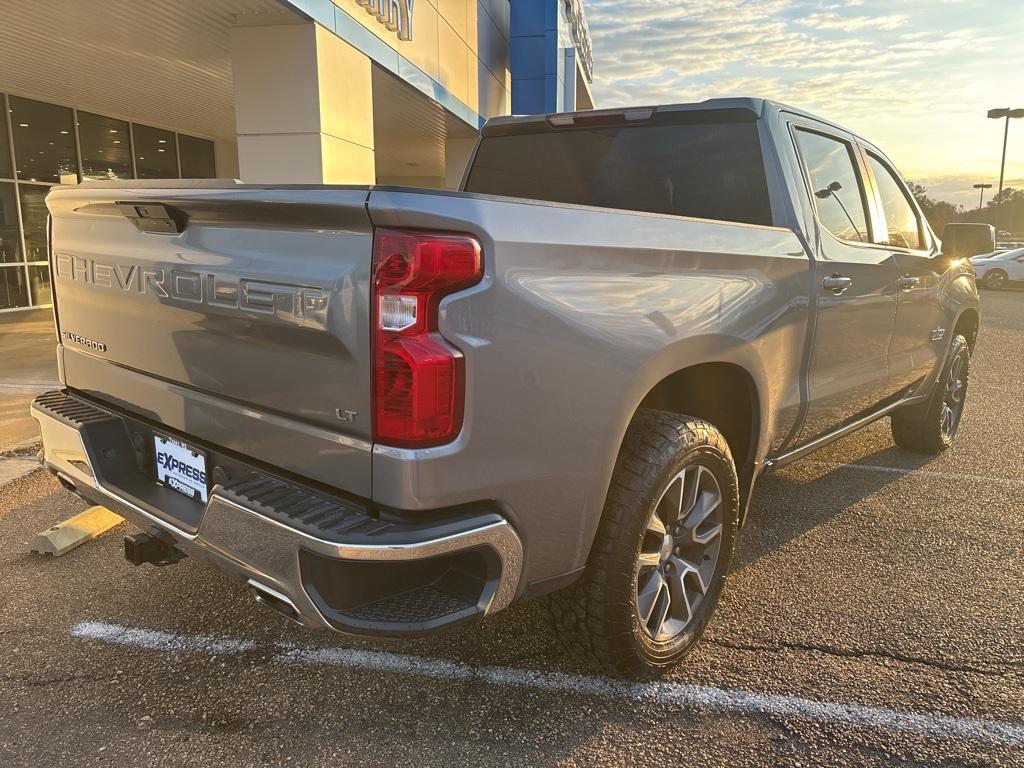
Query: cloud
[[914, 79], [853, 23]]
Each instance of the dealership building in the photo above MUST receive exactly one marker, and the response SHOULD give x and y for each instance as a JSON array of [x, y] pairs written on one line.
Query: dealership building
[[267, 91]]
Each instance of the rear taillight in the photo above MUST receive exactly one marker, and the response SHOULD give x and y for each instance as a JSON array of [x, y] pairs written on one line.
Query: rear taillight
[[418, 377]]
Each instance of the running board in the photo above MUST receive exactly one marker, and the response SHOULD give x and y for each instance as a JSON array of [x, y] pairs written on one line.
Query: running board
[[820, 442]]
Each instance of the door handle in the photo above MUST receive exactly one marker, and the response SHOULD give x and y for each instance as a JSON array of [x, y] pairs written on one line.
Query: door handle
[[836, 283], [907, 283]]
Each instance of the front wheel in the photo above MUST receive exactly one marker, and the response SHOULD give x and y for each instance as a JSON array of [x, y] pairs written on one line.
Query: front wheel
[[995, 280], [658, 563], [930, 428]]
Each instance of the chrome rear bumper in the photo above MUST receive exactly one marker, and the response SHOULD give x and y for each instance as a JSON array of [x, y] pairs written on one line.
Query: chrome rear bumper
[[297, 563]]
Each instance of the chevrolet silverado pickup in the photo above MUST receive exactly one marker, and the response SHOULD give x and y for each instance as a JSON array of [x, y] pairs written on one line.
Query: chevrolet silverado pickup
[[390, 410]]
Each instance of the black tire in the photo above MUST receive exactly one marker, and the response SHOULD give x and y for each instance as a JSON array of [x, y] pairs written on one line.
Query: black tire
[[995, 280], [598, 617], [929, 428]]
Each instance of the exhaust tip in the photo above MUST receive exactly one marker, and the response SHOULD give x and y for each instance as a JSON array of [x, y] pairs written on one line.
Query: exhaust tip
[[66, 481], [275, 601]]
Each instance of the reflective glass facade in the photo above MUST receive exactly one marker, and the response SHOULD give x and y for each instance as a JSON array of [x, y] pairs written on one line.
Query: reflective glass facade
[[552, 59], [106, 147], [43, 144]]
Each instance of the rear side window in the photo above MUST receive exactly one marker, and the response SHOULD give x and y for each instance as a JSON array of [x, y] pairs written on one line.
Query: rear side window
[[835, 186], [900, 217], [711, 170]]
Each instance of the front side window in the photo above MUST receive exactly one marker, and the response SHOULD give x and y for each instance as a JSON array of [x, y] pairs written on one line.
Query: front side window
[[834, 184], [900, 217]]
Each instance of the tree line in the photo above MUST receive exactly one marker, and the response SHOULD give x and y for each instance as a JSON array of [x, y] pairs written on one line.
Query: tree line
[[1004, 211]]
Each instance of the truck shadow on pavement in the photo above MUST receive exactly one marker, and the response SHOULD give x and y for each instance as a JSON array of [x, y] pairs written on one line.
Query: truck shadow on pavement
[[785, 507]]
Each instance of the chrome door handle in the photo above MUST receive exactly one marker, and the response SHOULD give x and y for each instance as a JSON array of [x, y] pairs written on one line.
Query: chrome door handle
[[836, 283], [907, 283]]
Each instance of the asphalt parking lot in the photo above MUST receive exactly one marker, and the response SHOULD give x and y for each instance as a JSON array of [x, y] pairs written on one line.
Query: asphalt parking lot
[[875, 615]]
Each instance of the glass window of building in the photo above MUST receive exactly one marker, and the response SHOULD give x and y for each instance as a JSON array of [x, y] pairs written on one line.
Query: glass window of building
[[10, 232], [33, 220], [155, 154], [106, 147], [197, 159], [44, 141], [6, 171], [13, 291], [39, 284]]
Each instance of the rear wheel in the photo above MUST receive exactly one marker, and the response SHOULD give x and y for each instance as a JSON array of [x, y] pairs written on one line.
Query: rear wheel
[[995, 279], [664, 545], [931, 427]]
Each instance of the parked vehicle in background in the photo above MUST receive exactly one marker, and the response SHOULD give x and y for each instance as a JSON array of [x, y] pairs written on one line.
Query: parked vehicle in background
[[999, 269], [394, 410]]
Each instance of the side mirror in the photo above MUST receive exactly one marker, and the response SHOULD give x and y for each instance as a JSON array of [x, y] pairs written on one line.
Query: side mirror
[[961, 241]]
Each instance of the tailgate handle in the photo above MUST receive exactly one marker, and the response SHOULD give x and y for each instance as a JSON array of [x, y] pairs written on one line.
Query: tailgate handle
[[154, 217]]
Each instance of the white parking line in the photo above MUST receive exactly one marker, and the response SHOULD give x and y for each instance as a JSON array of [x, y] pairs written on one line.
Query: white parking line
[[660, 693], [919, 472], [17, 466], [155, 640], [29, 386]]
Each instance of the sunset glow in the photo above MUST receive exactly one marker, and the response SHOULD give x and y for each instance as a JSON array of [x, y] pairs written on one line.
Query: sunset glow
[[916, 76]]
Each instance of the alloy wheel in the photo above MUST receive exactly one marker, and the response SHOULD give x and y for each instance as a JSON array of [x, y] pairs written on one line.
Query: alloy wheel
[[995, 281], [953, 398], [679, 553]]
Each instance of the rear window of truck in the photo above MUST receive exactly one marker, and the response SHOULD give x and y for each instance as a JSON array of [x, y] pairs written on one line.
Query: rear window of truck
[[679, 164]]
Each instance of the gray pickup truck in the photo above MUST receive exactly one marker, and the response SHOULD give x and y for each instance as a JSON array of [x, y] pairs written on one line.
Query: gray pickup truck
[[391, 410]]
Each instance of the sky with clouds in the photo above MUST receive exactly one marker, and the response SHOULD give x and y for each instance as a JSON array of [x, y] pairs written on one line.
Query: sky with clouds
[[915, 77]]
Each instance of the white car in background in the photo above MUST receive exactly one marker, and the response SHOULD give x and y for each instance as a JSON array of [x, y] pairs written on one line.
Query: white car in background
[[997, 270]]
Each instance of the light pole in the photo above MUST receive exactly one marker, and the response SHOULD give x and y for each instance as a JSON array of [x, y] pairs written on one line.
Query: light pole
[[982, 187], [830, 191], [995, 114]]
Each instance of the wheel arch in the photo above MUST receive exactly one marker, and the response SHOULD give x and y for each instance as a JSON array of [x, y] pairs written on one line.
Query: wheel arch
[[724, 392], [967, 324], [729, 370], [721, 393]]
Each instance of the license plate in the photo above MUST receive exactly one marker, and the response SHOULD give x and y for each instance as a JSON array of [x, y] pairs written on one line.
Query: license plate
[[180, 467]]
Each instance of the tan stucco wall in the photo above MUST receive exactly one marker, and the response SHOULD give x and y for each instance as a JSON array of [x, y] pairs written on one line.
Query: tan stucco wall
[[295, 125], [462, 44]]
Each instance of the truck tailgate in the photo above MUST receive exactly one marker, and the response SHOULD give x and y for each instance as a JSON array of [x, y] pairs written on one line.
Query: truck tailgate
[[235, 314]]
